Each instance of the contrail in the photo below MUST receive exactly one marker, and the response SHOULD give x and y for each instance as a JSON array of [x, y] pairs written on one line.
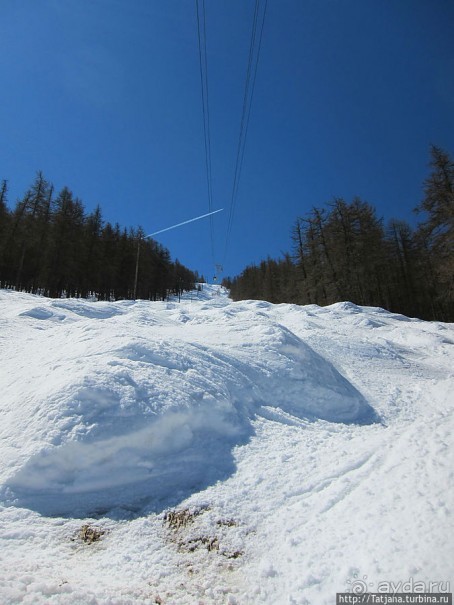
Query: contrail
[[184, 222]]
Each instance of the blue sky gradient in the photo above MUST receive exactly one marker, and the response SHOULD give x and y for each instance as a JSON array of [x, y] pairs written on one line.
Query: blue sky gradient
[[104, 96]]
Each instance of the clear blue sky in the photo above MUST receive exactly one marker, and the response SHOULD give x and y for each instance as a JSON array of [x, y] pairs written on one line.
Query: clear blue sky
[[104, 96]]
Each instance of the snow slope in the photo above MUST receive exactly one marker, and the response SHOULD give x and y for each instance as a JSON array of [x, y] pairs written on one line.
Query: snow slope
[[304, 450]]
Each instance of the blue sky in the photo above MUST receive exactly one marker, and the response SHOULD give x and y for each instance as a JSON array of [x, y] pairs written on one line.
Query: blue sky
[[104, 96]]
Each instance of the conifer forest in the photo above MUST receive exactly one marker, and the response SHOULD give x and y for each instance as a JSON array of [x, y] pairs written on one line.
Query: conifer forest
[[345, 252], [50, 245]]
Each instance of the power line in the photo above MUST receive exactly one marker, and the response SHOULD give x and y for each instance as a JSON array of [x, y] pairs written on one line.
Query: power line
[[203, 64], [251, 74]]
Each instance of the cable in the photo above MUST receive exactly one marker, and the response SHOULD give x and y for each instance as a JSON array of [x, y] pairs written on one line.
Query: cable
[[251, 75], [203, 64]]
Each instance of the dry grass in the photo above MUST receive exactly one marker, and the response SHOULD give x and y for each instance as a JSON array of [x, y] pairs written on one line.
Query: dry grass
[[177, 519], [90, 534]]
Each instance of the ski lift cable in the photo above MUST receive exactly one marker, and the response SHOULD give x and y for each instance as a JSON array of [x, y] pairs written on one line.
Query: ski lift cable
[[250, 99], [210, 197], [246, 89], [251, 74], [242, 124], [203, 64], [246, 113], [247, 106]]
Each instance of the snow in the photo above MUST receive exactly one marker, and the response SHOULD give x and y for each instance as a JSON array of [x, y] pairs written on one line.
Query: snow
[[304, 450]]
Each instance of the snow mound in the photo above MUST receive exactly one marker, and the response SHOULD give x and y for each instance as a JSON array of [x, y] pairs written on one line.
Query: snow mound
[[42, 313], [146, 406]]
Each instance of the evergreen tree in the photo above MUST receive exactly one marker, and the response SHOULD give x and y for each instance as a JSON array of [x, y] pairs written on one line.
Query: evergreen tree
[[402, 292], [64, 269], [4, 228], [108, 284], [54, 247], [92, 253], [436, 233]]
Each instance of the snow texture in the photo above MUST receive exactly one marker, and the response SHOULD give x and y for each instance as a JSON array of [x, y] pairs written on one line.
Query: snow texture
[[304, 449]]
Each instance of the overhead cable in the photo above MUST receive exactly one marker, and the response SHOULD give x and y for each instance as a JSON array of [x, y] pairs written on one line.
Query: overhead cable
[[251, 74], [203, 64]]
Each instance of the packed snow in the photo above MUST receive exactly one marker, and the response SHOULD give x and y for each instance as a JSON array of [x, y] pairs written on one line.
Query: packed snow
[[211, 452]]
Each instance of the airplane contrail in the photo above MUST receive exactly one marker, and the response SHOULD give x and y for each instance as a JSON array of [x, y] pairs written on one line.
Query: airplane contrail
[[191, 220]]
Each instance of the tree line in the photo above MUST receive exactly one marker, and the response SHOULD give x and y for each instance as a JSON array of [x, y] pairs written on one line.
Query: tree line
[[50, 245], [345, 252]]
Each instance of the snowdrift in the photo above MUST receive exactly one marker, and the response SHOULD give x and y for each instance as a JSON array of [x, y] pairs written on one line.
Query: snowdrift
[[133, 406], [304, 451]]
